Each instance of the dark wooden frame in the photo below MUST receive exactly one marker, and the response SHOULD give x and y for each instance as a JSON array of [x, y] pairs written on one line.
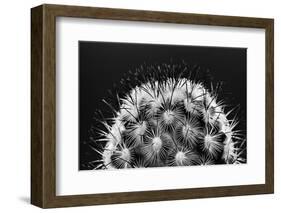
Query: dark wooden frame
[[43, 105]]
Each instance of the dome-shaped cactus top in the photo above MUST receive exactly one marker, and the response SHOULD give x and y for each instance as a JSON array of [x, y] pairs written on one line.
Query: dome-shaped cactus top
[[172, 122]]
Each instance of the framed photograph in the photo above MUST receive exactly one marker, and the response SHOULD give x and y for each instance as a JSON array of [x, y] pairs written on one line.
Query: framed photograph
[[137, 106]]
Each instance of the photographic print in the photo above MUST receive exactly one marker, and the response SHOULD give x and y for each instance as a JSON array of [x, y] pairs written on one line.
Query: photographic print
[[159, 105], [144, 95]]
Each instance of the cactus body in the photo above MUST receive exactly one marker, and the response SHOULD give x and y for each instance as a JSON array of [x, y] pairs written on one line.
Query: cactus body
[[170, 122]]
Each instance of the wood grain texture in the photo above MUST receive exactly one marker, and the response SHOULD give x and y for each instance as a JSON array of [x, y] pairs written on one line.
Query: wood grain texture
[[43, 105], [36, 106], [269, 118]]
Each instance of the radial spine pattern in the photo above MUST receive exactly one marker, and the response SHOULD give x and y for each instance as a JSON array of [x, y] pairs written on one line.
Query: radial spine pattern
[[170, 122]]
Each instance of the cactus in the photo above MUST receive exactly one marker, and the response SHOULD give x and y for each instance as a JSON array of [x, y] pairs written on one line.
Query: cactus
[[169, 120]]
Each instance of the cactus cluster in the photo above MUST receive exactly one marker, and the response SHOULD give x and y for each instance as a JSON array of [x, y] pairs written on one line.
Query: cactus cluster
[[170, 121]]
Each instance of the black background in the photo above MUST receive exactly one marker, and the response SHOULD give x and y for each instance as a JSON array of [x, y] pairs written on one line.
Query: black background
[[103, 64]]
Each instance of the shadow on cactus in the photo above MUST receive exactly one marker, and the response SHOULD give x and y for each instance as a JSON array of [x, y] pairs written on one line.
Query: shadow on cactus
[[168, 118]]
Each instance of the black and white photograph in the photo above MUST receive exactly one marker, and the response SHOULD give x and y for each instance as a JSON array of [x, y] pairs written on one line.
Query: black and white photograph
[[144, 105], [159, 105]]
